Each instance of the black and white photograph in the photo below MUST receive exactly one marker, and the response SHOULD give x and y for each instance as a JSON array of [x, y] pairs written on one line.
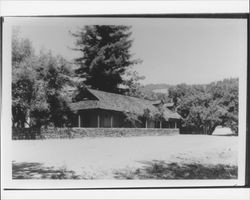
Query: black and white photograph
[[127, 101]]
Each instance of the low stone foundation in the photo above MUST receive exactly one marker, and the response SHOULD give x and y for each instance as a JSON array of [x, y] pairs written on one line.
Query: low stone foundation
[[50, 133]]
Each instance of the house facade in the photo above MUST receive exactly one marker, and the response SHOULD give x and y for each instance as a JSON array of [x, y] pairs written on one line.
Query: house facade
[[101, 109]]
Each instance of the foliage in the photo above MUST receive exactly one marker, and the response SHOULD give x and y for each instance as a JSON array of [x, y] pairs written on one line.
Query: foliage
[[23, 79], [207, 106], [37, 83], [106, 56], [132, 84], [131, 119], [226, 93], [147, 114], [54, 74], [159, 116]]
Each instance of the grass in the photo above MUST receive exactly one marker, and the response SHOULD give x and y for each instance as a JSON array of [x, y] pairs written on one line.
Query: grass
[[163, 170]]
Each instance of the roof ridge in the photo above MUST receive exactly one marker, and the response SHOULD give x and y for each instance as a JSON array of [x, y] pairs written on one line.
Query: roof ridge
[[121, 95]]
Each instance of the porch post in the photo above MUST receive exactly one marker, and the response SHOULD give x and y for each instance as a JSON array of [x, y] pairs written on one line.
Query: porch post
[[79, 120], [175, 124], [111, 121], [98, 120], [160, 124], [146, 123]]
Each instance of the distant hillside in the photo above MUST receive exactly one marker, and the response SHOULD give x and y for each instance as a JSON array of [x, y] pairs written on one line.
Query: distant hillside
[[154, 91], [157, 88], [162, 90]]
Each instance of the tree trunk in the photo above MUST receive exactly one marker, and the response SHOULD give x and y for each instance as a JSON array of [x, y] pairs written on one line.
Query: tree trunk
[[211, 129]]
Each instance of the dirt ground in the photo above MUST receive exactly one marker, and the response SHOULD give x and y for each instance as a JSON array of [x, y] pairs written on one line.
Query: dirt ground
[[100, 157]]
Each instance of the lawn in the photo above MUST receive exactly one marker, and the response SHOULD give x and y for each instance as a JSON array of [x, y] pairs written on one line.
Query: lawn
[[151, 157]]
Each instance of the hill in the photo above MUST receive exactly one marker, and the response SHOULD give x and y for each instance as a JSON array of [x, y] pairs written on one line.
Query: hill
[[155, 91]]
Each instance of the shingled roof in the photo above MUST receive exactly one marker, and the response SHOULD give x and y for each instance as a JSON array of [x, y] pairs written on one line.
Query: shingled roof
[[121, 103]]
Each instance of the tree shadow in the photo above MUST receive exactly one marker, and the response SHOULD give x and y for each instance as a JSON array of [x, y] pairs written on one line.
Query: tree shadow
[[35, 170], [158, 169]]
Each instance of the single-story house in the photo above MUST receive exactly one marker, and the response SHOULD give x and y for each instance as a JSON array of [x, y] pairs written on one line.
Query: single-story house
[[103, 109]]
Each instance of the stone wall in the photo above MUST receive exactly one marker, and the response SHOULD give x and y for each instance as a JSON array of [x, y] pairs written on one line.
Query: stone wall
[[25, 133], [51, 133]]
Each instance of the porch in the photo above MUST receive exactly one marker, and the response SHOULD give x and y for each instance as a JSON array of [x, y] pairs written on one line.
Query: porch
[[99, 118]]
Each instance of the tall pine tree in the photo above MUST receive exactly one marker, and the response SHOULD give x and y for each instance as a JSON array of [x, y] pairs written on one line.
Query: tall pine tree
[[106, 56]]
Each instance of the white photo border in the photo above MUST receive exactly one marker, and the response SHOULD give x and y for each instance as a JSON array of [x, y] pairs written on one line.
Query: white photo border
[[7, 144], [26, 10]]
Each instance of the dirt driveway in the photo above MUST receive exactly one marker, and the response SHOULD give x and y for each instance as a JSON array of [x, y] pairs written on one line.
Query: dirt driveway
[[100, 157]]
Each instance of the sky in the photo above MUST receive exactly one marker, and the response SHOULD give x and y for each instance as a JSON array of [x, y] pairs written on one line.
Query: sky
[[173, 50]]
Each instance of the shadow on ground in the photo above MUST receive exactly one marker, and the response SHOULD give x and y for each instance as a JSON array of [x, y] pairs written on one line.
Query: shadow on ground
[[150, 170], [161, 170], [24, 170]]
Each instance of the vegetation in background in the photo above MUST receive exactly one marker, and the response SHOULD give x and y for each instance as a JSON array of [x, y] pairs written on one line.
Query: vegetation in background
[[23, 79], [155, 91], [37, 83], [131, 119], [207, 106]]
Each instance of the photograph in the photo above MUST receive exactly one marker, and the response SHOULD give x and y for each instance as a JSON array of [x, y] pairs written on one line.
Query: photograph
[[155, 101]]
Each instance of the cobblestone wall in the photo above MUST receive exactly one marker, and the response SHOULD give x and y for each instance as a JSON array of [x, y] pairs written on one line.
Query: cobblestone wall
[[51, 133]]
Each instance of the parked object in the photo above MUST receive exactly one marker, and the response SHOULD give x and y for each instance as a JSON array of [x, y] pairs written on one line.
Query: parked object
[[219, 130]]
